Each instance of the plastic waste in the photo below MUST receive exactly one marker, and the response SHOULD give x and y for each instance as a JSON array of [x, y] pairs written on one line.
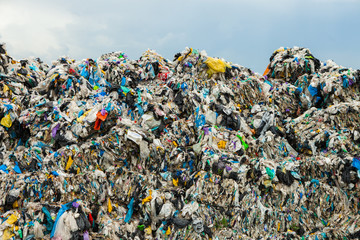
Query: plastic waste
[[197, 147]]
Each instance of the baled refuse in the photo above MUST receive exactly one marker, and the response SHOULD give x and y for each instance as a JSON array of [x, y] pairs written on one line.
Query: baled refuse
[[194, 148]]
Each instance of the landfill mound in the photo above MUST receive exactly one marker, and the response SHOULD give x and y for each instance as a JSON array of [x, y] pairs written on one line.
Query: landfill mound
[[194, 148]]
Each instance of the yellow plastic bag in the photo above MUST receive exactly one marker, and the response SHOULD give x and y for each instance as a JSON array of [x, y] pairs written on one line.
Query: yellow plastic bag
[[267, 183], [7, 234], [175, 182], [147, 230], [148, 198], [69, 163], [5, 88], [6, 121], [215, 66], [222, 144]]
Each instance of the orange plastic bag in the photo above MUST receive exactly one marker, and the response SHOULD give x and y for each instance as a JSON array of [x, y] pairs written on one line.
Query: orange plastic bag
[[99, 119], [267, 70]]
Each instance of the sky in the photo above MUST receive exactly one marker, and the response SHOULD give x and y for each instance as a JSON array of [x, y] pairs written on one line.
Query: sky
[[245, 32]]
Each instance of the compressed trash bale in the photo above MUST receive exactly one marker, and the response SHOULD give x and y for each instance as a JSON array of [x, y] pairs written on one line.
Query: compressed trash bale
[[290, 63], [114, 148]]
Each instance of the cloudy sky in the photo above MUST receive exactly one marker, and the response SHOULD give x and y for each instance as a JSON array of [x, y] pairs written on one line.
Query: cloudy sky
[[241, 31]]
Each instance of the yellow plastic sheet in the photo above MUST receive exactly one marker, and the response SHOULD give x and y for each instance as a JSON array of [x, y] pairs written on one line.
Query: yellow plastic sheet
[[148, 198], [109, 206], [69, 163], [12, 219], [81, 118]]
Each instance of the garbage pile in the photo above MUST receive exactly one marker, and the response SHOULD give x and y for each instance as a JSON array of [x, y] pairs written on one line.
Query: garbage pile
[[194, 148], [306, 82]]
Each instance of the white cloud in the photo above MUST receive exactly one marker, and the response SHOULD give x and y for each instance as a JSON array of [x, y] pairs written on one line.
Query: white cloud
[[245, 32], [29, 29]]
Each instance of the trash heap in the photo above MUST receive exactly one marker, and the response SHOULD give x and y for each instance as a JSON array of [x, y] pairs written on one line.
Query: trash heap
[[194, 148]]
